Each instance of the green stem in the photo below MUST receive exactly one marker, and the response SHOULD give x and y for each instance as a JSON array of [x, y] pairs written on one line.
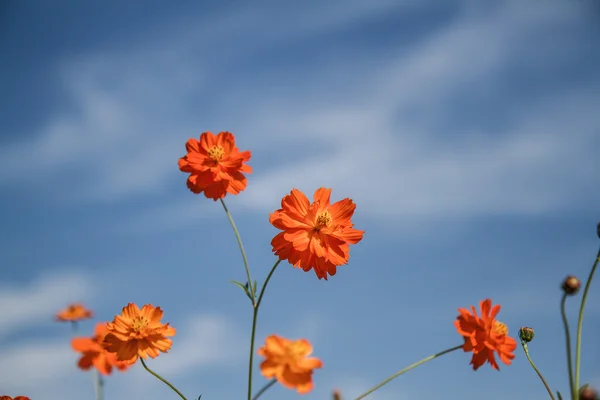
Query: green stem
[[536, 370], [568, 339], [98, 384], [160, 378], [97, 380], [580, 322], [239, 240], [397, 374], [264, 389], [254, 319]]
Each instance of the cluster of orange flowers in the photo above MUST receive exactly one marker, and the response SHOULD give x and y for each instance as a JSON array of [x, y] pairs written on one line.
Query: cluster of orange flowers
[[314, 235]]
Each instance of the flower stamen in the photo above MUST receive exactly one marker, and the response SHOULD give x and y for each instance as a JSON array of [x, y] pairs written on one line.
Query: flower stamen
[[139, 323], [323, 220], [216, 153], [500, 328]]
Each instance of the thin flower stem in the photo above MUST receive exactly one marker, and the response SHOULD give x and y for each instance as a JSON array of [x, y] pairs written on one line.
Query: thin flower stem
[[262, 291], [568, 339], [264, 389], [397, 374], [100, 395], [239, 240], [98, 384], [160, 378], [536, 370], [97, 380], [254, 319], [580, 322]]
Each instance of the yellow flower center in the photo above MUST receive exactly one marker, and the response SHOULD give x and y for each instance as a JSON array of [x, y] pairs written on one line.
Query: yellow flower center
[[323, 220], [216, 153], [139, 323], [500, 328]]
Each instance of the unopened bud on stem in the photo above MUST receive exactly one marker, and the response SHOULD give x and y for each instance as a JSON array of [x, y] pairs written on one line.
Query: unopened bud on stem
[[526, 334], [587, 393], [571, 285]]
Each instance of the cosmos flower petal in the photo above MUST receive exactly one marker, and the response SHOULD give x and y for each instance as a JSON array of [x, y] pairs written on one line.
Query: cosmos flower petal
[[485, 337], [93, 352], [140, 335], [315, 235], [73, 313], [215, 166], [286, 361]]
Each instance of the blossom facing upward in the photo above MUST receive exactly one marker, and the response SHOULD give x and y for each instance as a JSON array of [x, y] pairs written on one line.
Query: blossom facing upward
[[94, 354], [138, 333], [315, 236], [485, 335], [74, 312], [215, 165], [288, 362]]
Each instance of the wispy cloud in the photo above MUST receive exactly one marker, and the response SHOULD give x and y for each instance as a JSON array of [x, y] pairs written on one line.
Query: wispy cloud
[[205, 341], [27, 366], [40, 300], [381, 134]]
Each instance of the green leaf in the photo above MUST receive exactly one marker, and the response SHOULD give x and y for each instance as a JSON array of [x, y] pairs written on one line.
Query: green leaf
[[199, 397], [240, 285], [559, 395], [243, 287], [583, 387], [255, 285]]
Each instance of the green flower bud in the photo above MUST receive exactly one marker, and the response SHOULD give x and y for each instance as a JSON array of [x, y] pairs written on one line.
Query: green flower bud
[[526, 334]]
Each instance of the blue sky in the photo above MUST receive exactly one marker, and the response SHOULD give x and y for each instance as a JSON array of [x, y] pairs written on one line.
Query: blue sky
[[467, 132]]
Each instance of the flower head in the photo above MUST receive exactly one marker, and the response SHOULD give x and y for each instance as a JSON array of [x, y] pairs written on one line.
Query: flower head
[[215, 165], [74, 312], [587, 393], [526, 334], [94, 354], [571, 285], [138, 333], [485, 335], [14, 398], [315, 236], [288, 362]]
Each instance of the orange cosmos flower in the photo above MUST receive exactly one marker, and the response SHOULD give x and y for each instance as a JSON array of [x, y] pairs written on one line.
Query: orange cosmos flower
[[93, 352], [138, 333], [485, 335], [215, 165], [288, 362], [74, 312], [314, 235], [14, 398]]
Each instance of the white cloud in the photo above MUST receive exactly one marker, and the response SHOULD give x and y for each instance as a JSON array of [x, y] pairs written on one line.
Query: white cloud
[[26, 366], [38, 302], [48, 368], [409, 168], [376, 138], [204, 341]]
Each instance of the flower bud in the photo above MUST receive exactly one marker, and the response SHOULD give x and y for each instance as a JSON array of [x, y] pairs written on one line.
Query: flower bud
[[587, 393], [571, 285], [598, 231], [526, 334], [337, 395]]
